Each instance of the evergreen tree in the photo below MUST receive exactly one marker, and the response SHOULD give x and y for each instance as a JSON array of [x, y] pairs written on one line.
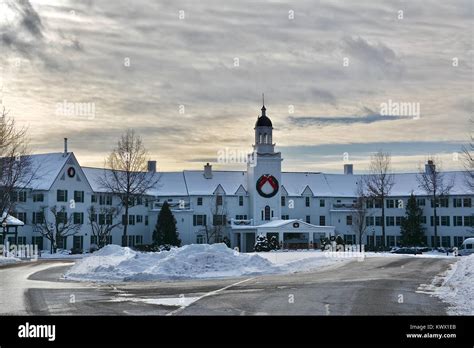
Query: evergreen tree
[[165, 232], [262, 244], [411, 230]]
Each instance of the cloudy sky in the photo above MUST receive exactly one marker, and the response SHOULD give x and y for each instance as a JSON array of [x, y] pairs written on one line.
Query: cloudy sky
[[188, 77]]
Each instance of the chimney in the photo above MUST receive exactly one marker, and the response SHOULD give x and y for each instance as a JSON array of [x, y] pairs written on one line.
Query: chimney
[[65, 147], [152, 166], [430, 167], [208, 171], [348, 169]]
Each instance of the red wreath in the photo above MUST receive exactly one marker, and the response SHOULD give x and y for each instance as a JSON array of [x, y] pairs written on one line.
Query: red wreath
[[273, 183]]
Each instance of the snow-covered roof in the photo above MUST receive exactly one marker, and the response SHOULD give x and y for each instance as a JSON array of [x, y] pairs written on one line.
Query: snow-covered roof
[[341, 185], [47, 167], [193, 182], [169, 183], [279, 223], [275, 224], [11, 221], [230, 182], [93, 175], [295, 183]]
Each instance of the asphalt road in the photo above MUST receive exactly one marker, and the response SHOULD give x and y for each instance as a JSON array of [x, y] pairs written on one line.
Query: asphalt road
[[376, 286]]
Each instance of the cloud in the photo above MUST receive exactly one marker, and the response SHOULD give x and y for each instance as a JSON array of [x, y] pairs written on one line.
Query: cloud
[[21, 26], [191, 62], [376, 57], [305, 121], [23, 34]]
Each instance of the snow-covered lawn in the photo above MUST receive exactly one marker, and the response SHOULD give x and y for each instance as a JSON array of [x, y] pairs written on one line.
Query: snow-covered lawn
[[456, 286], [201, 261]]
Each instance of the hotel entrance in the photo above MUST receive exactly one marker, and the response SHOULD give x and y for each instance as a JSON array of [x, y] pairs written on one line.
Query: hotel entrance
[[293, 241]]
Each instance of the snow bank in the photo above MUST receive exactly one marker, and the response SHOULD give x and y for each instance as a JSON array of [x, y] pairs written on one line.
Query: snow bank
[[115, 263], [8, 260], [201, 261], [60, 254], [457, 287]]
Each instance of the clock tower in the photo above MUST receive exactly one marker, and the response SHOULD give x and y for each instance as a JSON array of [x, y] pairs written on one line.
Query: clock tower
[[264, 173]]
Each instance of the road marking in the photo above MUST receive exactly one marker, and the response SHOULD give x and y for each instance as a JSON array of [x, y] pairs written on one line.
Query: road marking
[[207, 295], [18, 282]]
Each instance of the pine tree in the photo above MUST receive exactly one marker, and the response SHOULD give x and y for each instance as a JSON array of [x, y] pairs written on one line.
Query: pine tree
[[165, 232], [262, 244], [411, 230]]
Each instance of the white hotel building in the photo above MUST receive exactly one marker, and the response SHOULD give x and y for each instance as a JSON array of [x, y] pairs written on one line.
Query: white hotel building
[[298, 207]]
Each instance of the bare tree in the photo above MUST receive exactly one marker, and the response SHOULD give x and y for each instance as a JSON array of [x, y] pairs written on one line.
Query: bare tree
[[468, 162], [102, 223], [16, 170], [214, 230], [360, 213], [127, 176], [379, 182], [436, 186], [55, 225]]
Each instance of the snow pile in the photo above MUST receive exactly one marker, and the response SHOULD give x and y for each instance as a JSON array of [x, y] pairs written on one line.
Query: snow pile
[[115, 263], [8, 260], [457, 287], [201, 261]]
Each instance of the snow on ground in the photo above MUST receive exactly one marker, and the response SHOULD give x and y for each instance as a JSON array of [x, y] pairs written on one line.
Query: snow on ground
[[61, 254], [455, 286], [8, 260], [114, 263], [201, 261]]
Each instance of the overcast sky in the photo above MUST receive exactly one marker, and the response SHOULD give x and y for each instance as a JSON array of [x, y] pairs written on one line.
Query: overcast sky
[[188, 77]]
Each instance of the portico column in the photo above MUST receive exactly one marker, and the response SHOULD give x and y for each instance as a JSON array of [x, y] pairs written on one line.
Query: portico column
[[242, 245]]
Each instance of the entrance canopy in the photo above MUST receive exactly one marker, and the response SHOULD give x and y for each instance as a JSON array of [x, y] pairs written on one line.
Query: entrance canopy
[[287, 226], [8, 222], [292, 234]]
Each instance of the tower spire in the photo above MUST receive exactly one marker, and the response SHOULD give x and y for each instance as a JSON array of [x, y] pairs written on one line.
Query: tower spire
[[263, 104]]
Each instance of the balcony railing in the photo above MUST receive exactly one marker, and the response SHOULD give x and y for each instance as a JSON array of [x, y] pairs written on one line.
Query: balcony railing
[[236, 222], [175, 205]]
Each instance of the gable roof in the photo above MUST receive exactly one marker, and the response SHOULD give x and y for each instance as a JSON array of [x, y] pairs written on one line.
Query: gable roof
[[307, 191], [241, 191], [47, 168]]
